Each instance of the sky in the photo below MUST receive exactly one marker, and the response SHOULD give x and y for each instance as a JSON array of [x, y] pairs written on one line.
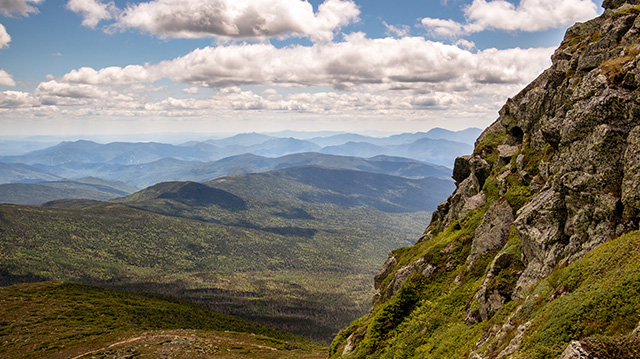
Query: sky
[[231, 66]]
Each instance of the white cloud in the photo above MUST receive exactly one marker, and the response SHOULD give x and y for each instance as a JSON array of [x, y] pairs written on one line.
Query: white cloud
[[239, 18], [413, 62], [5, 39], [18, 7], [443, 28], [191, 90], [529, 15], [17, 99], [92, 11], [6, 79], [112, 75], [409, 78], [397, 31], [389, 63]]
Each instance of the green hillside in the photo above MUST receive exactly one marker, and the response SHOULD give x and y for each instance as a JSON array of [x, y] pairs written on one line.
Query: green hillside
[[64, 320], [597, 298], [343, 188], [83, 188], [303, 268]]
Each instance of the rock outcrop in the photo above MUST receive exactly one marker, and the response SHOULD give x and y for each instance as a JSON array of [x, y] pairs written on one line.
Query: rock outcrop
[[571, 149], [557, 175]]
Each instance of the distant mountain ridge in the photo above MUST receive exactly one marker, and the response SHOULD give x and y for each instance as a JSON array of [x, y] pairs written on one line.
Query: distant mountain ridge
[[143, 164], [127, 153], [83, 188]]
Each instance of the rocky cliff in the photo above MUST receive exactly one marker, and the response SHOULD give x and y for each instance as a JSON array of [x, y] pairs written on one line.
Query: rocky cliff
[[535, 254]]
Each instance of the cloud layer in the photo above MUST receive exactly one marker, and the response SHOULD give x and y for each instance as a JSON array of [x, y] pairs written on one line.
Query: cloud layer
[[529, 15], [374, 77], [388, 63], [222, 18]]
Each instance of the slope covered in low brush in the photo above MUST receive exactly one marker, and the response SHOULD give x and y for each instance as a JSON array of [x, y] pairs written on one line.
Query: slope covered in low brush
[[535, 254], [65, 320], [298, 267]]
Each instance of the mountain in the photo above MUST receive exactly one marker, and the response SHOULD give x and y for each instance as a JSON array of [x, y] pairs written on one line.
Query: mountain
[[21, 173], [340, 139], [534, 255], [169, 169], [344, 188], [282, 146], [466, 136], [243, 139], [437, 151], [65, 320], [188, 193], [83, 188], [116, 153]]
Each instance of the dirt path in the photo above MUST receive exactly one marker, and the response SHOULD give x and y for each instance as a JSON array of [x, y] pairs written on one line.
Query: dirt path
[[130, 340], [174, 336]]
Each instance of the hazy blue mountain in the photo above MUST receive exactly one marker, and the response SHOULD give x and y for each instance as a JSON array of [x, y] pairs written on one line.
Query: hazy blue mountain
[[21, 173], [341, 139], [360, 149], [20, 147], [467, 136], [84, 188], [169, 169], [282, 146], [115, 152], [243, 139], [344, 188], [441, 152]]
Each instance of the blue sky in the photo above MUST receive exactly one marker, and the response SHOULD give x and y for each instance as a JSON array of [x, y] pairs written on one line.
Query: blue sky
[[121, 67]]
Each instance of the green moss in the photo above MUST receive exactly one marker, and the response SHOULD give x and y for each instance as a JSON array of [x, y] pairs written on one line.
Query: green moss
[[488, 146], [490, 189], [633, 10], [517, 196], [599, 294]]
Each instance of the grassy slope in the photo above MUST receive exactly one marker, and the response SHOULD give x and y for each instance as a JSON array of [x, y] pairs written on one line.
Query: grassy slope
[[597, 295], [63, 320], [265, 263]]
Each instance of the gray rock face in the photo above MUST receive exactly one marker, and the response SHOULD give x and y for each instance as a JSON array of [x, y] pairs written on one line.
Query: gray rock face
[[493, 232], [614, 4], [570, 159], [576, 351], [419, 266]]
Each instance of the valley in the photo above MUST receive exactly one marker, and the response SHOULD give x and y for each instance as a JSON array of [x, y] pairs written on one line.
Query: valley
[[290, 242]]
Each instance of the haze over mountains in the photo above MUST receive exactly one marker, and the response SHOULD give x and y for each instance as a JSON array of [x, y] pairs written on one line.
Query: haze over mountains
[[55, 172]]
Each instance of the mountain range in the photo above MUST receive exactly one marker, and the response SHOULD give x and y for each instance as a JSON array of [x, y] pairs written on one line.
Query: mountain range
[[60, 171]]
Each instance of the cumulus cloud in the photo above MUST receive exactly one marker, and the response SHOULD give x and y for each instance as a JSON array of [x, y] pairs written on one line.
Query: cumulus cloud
[[238, 19], [6, 79], [92, 11], [389, 63], [409, 61], [529, 15], [112, 75], [17, 99], [5, 39], [18, 7]]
